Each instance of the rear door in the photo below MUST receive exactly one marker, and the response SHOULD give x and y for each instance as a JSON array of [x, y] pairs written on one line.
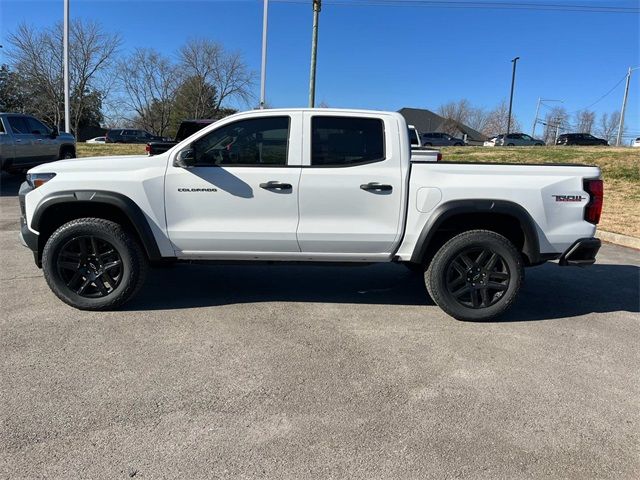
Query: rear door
[[351, 188], [23, 139], [241, 197]]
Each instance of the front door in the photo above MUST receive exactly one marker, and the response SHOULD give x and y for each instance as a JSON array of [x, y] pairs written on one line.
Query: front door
[[351, 187], [241, 196], [45, 148]]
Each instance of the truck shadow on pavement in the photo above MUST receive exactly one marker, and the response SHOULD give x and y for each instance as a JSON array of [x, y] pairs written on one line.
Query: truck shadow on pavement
[[10, 184], [549, 292]]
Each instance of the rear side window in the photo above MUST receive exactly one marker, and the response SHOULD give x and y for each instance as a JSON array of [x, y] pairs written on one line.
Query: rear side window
[[343, 141], [18, 125]]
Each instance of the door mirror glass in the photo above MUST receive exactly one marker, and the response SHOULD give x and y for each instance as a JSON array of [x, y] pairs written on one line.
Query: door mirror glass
[[185, 158]]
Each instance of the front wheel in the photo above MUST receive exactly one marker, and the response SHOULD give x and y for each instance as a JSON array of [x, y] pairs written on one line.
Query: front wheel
[[93, 264], [475, 276]]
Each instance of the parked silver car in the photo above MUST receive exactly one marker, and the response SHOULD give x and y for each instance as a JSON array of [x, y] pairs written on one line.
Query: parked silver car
[[26, 142]]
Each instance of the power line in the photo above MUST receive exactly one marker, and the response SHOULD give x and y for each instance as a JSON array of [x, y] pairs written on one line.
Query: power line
[[465, 4]]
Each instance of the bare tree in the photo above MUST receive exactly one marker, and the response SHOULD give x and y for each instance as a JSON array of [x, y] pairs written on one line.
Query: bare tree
[[455, 113], [209, 63], [497, 120], [608, 127], [36, 56], [149, 82], [585, 120]]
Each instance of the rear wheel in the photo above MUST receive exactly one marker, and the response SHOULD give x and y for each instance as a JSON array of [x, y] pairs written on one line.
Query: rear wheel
[[475, 276], [457, 144], [93, 264], [427, 144], [510, 145]]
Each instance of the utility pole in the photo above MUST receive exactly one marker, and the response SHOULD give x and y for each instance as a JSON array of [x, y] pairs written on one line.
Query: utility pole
[[624, 107], [263, 72], [65, 60], [314, 49], [513, 81], [535, 120], [558, 121]]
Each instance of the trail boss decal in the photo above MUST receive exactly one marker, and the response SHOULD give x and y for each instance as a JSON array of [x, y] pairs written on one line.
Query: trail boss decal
[[568, 198], [197, 189]]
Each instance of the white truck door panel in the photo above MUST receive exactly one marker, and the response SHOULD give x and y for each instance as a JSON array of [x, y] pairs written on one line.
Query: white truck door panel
[[351, 188], [240, 197]]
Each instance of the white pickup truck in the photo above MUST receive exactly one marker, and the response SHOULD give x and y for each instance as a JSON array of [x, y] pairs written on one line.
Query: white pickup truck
[[304, 185]]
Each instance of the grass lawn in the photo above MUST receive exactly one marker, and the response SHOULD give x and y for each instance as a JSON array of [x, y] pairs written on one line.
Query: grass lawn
[[620, 169]]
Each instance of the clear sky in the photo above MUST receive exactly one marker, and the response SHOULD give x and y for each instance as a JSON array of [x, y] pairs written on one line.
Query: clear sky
[[388, 57]]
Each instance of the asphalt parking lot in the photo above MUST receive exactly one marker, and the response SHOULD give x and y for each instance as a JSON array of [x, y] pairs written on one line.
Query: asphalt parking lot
[[318, 372]]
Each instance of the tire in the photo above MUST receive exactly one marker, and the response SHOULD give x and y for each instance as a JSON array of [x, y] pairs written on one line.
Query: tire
[[427, 144], [510, 145], [539, 145], [449, 283], [67, 153], [76, 254], [458, 144]]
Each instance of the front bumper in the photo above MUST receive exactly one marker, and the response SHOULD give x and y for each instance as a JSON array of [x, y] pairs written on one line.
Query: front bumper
[[27, 237], [582, 253]]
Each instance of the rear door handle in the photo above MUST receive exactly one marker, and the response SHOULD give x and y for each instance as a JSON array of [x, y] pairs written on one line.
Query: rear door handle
[[376, 187], [275, 185]]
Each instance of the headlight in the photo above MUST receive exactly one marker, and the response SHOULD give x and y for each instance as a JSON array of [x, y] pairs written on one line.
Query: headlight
[[36, 180]]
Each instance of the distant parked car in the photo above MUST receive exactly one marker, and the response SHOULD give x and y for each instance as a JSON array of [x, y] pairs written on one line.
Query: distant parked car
[[26, 142], [186, 129], [514, 140], [128, 135], [636, 142], [414, 137], [441, 140], [580, 139], [97, 140]]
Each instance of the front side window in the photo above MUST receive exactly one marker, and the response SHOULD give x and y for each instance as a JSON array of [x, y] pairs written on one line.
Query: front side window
[[37, 127], [257, 142], [343, 141]]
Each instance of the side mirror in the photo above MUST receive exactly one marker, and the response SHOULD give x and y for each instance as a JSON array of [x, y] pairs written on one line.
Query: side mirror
[[185, 159], [54, 132]]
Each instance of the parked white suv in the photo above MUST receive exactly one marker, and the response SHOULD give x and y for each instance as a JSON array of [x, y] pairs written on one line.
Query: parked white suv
[[307, 186]]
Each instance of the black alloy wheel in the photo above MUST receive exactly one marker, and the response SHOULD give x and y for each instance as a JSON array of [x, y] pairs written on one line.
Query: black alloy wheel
[[477, 277], [90, 266]]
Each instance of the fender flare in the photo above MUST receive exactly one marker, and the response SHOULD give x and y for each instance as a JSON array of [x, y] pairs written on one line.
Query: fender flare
[[531, 247], [127, 206]]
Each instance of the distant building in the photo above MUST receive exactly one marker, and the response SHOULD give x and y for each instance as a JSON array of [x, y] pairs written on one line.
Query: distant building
[[427, 121]]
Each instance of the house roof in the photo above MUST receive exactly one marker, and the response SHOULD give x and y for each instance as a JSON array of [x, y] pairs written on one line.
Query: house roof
[[428, 121]]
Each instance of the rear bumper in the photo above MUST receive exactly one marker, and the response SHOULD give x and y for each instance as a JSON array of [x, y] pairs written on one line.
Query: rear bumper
[[582, 253]]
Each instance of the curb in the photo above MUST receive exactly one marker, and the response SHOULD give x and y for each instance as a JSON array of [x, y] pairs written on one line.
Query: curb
[[619, 239]]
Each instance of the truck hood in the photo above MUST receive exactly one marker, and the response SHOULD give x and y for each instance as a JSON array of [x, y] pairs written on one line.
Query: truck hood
[[101, 164]]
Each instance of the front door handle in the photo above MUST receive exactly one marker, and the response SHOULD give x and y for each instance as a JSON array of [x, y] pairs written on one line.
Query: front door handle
[[376, 187], [275, 185]]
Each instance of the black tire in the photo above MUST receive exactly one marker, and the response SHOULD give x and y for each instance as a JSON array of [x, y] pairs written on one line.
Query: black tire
[[67, 153], [448, 283], [427, 144], [510, 145], [80, 264], [458, 144]]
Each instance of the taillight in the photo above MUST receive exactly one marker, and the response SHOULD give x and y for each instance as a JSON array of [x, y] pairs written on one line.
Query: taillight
[[593, 210], [147, 148], [439, 157]]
